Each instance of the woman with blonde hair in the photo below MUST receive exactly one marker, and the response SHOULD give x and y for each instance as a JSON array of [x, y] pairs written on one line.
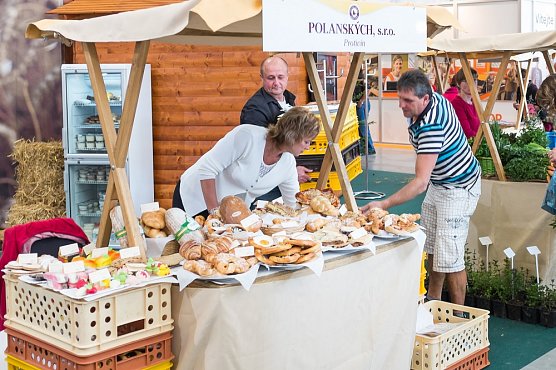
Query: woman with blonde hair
[[248, 162], [396, 72]]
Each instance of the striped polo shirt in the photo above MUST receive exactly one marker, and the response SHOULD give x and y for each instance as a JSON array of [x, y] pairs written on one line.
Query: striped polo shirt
[[437, 131]]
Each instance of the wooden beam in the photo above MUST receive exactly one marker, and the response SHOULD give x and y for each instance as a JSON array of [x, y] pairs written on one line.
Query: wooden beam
[[549, 62], [117, 145], [484, 115]]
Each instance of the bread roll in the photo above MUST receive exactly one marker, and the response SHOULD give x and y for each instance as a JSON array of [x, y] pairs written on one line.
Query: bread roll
[[154, 219]]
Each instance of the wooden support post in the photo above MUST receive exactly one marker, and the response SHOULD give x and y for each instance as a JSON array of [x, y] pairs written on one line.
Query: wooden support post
[[523, 102], [549, 62], [484, 115], [334, 132], [117, 144]]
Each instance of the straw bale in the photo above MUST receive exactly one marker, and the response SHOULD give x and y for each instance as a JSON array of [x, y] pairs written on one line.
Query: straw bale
[[40, 178]]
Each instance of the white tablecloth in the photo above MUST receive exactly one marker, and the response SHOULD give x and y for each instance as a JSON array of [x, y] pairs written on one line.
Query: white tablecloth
[[360, 314]]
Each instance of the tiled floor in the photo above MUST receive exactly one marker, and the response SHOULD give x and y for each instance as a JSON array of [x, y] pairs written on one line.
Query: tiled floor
[[393, 159]]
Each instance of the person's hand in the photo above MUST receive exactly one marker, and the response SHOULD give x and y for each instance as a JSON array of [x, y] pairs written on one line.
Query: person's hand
[[367, 207], [552, 156], [302, 174]]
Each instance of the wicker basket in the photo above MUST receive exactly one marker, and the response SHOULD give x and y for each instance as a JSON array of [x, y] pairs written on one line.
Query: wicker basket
[[487, 166]]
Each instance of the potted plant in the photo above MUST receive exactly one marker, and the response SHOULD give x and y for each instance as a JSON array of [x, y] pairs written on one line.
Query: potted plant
[[501, 288], [470, 269], [530, 313], [548, 305], [482, 287], [517, 294]]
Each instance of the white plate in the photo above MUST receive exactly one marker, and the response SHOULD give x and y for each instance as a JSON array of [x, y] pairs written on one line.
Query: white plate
[[346, 248], [386, 235]]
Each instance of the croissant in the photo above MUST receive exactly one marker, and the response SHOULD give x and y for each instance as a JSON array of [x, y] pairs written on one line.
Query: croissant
[[322, 205], [191, 250], [201, 268], [209, 250]]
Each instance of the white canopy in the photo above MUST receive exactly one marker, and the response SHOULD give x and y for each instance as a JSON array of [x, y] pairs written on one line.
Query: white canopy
[[494, 46], [210, 22]]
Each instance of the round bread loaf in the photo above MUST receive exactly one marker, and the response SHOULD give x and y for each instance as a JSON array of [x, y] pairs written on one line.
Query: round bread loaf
[[233, 210]]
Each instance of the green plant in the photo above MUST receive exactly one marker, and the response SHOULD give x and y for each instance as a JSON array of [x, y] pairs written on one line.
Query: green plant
[[481, 281], [548, 296], [533, 293], [501, 280]]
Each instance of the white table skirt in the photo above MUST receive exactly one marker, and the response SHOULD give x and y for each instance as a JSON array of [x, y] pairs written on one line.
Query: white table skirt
[[360, 314]]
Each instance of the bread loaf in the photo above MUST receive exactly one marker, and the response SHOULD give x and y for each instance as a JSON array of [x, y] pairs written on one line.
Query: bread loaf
[[233, 210], [183, 227]]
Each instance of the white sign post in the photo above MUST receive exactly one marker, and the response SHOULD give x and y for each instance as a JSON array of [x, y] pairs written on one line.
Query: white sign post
[[509, 252], [343, 26], [485, 241], [535, 251]]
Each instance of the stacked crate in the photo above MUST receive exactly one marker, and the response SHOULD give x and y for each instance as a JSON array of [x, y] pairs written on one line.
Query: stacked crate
[[349, 145], [464, 346], [127, 330]]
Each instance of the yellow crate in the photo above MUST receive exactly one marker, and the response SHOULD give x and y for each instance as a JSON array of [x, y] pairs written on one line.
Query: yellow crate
[[88, 327], [353, 170], [350, 132], [454, 345], [17, 364]]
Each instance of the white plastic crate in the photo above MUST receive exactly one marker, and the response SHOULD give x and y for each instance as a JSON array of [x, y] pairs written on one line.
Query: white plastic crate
[[85, 328], [446, 349]]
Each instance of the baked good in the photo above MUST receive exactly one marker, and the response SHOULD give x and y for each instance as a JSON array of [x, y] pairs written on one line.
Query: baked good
[[285, 259], [281, 209], [171, 259], [398, 225], [183, 227], [170, 248], [191, 250], [154, 219], [233, 210], [201, 268], [225, 263], [200, 219], [153, 233], [305, 196], [330, 238], [316, 224], [322, 205], [306, 258]]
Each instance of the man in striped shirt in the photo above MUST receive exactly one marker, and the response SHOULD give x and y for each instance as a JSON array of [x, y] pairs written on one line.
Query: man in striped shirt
[[447, 169]]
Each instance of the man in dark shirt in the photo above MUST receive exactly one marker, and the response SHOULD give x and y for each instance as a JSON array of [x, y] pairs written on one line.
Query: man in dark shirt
[[269, 102]]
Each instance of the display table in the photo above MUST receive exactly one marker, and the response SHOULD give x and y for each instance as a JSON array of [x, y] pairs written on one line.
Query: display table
[[359, 314]]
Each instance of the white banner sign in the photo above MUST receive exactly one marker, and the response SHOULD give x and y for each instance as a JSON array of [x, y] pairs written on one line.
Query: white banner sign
[[342, 26]]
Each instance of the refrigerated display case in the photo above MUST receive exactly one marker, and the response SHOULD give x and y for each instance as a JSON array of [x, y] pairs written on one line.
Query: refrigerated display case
[[86, 160]]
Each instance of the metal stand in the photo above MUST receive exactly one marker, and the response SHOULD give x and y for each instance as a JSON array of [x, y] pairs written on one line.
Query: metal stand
[[367, 194]]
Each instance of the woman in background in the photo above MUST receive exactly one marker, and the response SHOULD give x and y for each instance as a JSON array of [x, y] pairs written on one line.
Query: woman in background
[[396, 72], [463, 104]]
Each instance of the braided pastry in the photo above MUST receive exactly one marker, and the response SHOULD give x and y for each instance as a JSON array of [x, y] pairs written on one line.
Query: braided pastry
[[209, 250], [191, 250], [322, 205]]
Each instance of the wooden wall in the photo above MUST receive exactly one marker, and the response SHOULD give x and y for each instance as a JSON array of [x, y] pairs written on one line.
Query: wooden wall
[[198, 93]]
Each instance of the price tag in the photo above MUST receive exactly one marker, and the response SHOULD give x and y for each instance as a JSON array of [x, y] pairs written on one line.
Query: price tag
[[27, 259], [301, 236], [150, 207], [289, 224], [262, 203], [244, 251], [485, 240], [89, 248], [235, 243], [509, 252], [130, 252], [278, 200], [68, 250], [343, 209], [55, 266], [76, 266], [280, 233], [359, 233], [533, 250], [97, 252], [249, 220], [99, 275]]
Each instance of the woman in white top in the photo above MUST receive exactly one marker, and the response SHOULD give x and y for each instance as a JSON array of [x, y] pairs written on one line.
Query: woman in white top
[[248, 162]]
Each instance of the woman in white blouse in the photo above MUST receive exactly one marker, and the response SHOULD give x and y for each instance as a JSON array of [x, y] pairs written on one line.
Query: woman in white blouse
[[248, 162]]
